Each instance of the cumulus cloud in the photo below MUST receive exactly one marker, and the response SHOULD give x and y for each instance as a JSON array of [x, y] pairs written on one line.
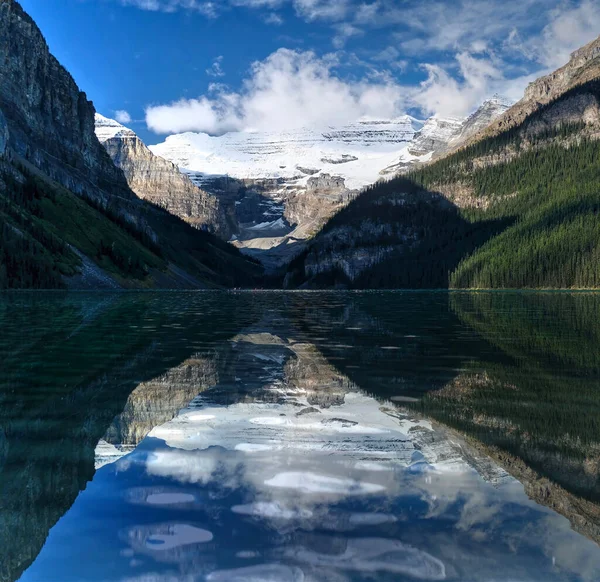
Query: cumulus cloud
[[467, 50], [293, 89], [288, 89], [457, 93], [123, 116]]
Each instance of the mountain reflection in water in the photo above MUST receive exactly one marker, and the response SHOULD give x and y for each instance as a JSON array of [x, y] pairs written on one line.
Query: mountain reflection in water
[[300, 436]]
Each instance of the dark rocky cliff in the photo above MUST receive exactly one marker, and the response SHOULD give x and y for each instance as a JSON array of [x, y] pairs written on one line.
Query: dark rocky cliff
[[50, 121]]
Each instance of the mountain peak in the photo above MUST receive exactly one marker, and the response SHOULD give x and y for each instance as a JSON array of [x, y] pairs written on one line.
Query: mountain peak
[[498, 99], [107, 128]]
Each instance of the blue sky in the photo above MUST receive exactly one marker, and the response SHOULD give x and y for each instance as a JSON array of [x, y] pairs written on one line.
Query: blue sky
[[166, 66]]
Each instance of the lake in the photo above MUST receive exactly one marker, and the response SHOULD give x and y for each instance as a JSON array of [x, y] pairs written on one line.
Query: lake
[[289, 437]]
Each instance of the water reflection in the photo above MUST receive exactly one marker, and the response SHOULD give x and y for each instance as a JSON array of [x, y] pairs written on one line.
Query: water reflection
[[69, 364], [322, 437]]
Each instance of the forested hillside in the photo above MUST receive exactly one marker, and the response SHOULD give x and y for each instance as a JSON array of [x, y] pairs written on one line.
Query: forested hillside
[[545, 180], [519, 209], [51, 238]]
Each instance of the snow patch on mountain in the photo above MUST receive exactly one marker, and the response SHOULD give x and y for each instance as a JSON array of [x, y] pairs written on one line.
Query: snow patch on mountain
[[109, 128], [360, 153], [355, 152]]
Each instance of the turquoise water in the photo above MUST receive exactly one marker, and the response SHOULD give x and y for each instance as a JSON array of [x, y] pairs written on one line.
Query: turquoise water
[[300, 436]]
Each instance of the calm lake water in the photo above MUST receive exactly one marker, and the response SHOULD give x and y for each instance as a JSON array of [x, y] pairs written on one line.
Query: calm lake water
[[289, 437]]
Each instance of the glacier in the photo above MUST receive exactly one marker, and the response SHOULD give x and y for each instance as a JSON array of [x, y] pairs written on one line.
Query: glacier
[[356, 152]]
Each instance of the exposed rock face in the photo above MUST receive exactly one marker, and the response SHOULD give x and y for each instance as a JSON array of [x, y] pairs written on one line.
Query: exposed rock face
[[51, 122], [583, 66], [310, 210], [155, 179], [48, 135], [326, 182], [490, 110], [435, 135], [370, 232]]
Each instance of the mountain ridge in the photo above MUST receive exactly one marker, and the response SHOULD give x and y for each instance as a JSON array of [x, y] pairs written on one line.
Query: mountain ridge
[[155, 179], [583, 66]]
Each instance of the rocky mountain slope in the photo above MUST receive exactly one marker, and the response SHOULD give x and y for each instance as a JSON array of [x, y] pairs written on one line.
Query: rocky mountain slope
[[50, 122], [583, 66], [67, 214], [155, 179], [515, 208], [282, 187], [439, 136]]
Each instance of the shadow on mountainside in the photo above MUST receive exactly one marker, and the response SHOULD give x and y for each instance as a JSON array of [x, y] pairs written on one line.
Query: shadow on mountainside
[[396, 235]]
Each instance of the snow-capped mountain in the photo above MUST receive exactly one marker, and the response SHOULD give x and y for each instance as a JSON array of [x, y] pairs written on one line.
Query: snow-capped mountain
[[283, 186], [107, 128], [490, 110], [436, 133], [355, 152], [359, 152]]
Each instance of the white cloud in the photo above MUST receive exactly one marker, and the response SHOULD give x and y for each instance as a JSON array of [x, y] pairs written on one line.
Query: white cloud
[[216, 70], [322, 9], [288, 89], [433, 25], [209, 115], [207, 8], [391, 56], [468, 49], [571, 26], [123, 116], [308, 9], [293, 89], [440, 26], [459, 93]]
